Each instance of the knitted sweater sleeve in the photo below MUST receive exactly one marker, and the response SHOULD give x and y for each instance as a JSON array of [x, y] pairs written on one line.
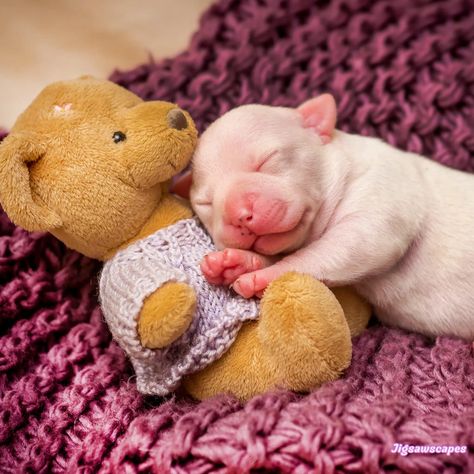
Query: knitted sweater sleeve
[[126, 281]]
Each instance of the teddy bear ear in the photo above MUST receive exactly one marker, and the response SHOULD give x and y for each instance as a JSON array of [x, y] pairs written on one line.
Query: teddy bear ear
[[17, 151], [320, 115]]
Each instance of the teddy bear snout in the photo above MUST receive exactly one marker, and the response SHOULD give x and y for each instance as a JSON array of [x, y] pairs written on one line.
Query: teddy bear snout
[[176, 119]]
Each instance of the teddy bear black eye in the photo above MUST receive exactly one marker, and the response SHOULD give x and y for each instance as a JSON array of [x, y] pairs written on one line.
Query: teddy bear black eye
[[119, 137]]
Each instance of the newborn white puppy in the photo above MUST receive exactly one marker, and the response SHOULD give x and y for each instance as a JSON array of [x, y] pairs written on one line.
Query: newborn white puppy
[[350, 209]]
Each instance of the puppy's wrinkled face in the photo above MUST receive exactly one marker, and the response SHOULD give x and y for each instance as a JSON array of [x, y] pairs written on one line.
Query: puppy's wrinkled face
[[255, 179]]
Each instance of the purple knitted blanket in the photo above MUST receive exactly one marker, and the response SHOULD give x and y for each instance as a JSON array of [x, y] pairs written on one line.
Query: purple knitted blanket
[[401, 70]]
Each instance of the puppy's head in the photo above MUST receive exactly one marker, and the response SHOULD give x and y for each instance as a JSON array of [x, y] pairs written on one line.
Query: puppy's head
[[256, 172], [89, 161]]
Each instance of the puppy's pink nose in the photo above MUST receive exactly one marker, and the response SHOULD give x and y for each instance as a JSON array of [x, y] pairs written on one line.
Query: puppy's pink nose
[[239, 210], [243, 216], [257, 214]]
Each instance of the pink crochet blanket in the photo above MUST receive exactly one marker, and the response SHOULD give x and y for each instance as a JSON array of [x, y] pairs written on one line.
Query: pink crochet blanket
[[401, 70]]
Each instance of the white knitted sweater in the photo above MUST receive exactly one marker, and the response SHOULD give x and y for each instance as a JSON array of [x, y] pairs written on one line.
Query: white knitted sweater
[[171, 254]]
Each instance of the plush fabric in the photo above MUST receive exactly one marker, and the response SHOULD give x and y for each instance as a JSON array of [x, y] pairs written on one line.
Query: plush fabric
[[403, 71]]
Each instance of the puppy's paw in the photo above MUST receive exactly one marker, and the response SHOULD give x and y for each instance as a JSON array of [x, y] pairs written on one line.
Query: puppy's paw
[[225, 266], [255, 283], [251, 284]]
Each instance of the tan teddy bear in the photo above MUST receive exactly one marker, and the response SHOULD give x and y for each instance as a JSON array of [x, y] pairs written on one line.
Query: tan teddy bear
[[91, 163]]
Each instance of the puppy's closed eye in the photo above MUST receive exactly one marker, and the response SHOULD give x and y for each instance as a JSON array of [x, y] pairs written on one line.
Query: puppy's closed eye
[[203, 204], [265, 160]]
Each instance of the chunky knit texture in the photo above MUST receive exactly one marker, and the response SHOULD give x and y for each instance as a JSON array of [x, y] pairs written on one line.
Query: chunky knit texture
[[171, 254], [401, 70]]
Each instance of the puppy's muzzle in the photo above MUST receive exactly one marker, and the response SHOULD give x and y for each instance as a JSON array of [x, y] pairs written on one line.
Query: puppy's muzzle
[[176, 119]]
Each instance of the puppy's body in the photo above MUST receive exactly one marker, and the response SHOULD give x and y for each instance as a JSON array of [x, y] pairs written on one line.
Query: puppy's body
[[414, 260], [350, 209]]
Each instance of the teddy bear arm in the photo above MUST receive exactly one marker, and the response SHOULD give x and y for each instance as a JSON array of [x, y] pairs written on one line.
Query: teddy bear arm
[[166, 314], [356, 309]]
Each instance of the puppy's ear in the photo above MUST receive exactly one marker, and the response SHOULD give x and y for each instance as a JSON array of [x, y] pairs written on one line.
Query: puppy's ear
[[17, 151], [181, 185], [320, 114]]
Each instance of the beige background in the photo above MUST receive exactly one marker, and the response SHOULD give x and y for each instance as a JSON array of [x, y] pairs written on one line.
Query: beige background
[[46, 40]]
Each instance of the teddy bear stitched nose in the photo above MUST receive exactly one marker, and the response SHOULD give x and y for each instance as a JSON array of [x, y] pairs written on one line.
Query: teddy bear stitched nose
[[176, 119]]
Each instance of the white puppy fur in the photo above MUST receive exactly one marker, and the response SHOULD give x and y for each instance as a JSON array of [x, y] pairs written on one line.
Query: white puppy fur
[[344, 208]]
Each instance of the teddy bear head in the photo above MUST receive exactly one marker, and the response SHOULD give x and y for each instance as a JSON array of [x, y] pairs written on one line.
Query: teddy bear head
[[89, 161]]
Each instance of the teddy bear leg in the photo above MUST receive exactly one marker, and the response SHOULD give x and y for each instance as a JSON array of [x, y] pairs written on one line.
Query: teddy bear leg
[[243, 371], [356, 309], [300, 341], [303, 330], [166, 314]]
